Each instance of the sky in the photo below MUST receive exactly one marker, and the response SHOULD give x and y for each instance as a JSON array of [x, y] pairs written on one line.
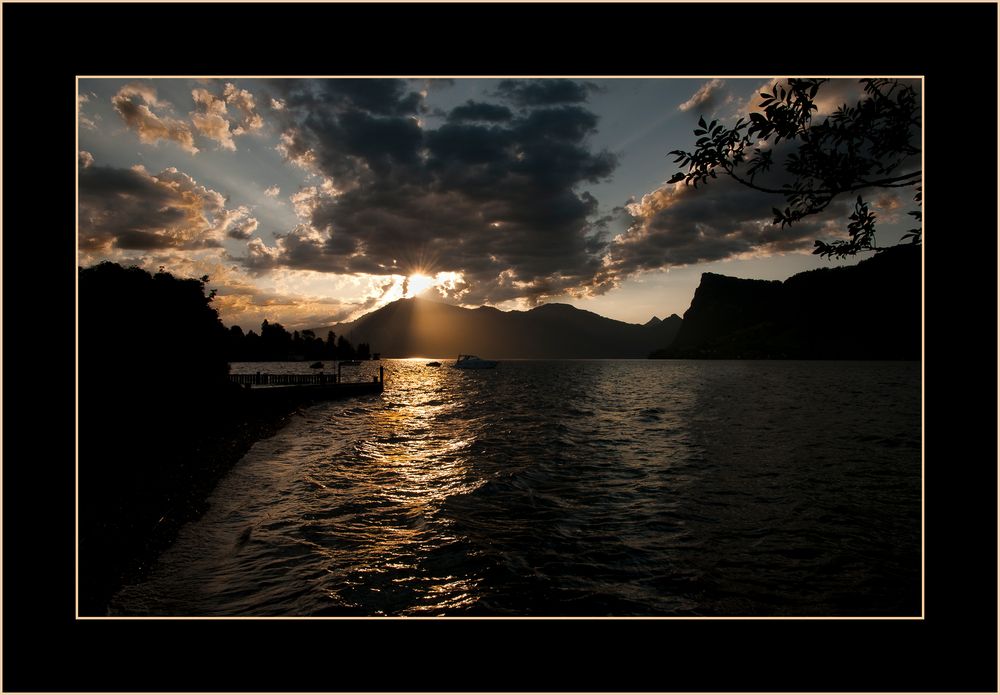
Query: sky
[[313, 201]]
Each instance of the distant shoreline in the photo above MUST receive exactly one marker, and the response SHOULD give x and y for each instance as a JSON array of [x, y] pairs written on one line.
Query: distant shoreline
[[637, 359]]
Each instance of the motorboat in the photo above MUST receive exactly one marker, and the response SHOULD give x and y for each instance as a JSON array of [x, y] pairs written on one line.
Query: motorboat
[[473, 362], [433, 364]]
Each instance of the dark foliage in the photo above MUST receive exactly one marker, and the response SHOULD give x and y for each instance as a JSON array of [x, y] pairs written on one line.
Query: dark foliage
[[275, 343], [872, 145], [158, 421], [133, 323], [152, 383]]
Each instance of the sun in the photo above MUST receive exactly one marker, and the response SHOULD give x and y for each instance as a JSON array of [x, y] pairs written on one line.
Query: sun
[[417, 283]]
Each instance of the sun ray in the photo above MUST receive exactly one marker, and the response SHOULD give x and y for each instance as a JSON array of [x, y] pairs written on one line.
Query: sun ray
[[417, 283]]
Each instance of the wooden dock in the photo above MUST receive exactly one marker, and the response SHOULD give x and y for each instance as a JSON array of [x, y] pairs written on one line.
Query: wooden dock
[[259, 379], [306, 387]]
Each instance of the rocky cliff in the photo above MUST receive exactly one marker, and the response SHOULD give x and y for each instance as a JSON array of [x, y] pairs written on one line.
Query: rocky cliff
[[871, 310]]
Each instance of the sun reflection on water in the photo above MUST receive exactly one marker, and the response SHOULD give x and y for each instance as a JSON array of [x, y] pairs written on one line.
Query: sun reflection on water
[[542, 488], [417, 446]]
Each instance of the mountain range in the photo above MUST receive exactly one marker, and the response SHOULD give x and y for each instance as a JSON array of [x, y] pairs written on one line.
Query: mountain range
[[420, 327], [870, 310]]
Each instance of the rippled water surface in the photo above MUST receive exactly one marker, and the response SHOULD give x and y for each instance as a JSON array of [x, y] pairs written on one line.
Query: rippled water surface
[[569, 488]]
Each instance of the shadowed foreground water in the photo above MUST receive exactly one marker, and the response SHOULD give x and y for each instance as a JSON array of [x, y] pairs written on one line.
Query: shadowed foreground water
[[570, 488]]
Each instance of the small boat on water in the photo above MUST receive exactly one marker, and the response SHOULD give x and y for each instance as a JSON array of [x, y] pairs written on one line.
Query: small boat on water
[[473, 362], [316, 365], [433, 364]]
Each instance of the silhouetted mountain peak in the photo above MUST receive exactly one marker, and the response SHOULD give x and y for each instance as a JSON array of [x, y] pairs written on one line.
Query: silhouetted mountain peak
[[811, 315], [488, 309], [428, 328], [652, 322]]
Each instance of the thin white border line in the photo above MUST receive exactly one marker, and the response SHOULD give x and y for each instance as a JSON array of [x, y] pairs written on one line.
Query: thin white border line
[[76, 361], [923, 579], [923, 358], [501, 617], [2, 592], [747, 76]]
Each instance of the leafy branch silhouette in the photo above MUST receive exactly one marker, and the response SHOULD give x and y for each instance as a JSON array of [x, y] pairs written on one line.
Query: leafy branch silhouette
[[866, 146]]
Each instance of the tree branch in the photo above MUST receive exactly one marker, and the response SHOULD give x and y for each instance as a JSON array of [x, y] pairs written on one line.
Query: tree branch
[[755, 186], [893, 182]]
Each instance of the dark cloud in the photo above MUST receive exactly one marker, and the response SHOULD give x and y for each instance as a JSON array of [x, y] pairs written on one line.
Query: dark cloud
[[383, 97], [544, 92], [388, 97], [243, 229], [680, 225], [490, 195], [464, 144], [571, 123], [500, 200], [480, 111], [348, 129], [132, 209], [380, 142]]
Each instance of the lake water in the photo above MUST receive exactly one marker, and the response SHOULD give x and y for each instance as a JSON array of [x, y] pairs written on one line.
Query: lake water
[[570, 488]]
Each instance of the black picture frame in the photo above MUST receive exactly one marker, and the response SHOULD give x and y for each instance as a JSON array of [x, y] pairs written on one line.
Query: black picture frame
[[953, 649]]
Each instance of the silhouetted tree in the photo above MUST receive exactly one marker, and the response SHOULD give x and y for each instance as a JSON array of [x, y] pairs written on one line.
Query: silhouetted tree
[[312, 347], [872, 145], [152, 381], [236, 344], [276, 342], [251, 347], [131, 321], [344, 349]]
